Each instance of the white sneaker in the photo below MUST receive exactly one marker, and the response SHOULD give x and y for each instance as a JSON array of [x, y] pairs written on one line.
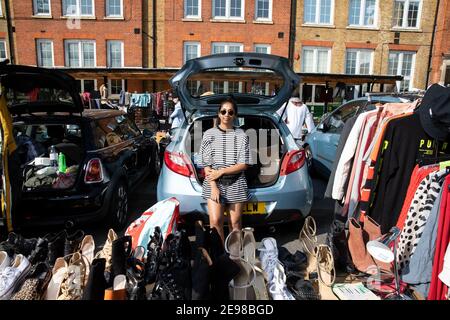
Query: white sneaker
[[277, 286], [12, 277], [269, 256], [5, 260]]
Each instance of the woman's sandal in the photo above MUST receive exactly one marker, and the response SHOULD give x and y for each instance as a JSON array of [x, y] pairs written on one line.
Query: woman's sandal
[[249, 251]]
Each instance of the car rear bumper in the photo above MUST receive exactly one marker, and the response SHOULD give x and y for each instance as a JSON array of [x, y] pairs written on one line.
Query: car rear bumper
[[40, 211], [289, 199]]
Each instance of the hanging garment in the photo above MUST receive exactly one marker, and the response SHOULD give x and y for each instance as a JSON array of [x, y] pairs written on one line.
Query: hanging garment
[[405, 141], [159, 103], [438, 290], [127, 98], [418, 271], [372, 157], [122, 98], [342, 140], [418, 174], [354, 187], [418, 213], [141, 100], [345, 162]]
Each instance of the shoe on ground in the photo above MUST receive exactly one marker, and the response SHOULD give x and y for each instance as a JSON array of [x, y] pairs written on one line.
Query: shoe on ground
[[5, 260], [277, 287], [13, 276]]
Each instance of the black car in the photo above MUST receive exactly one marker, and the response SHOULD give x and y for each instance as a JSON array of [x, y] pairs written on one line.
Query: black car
[[102, 154]]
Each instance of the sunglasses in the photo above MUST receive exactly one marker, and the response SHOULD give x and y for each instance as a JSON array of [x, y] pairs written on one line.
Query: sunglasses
[[224, 112]]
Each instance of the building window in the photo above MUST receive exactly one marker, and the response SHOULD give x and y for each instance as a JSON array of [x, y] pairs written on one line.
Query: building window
[[115, 54], [78, 7], [42, 7], [316, 60], [191, 51], [262, 48], [402, 63], [263, 10], [80, 54], [318, 11], [44, 50], [115, 86], [406, 13], [362, 13], [3, 55], [222, 47], [192, 8], [228, 9], [1, 10], [87, 85], [358, 61], [114, 8]]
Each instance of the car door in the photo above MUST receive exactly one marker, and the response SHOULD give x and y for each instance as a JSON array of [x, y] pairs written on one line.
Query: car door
[[331, 129]]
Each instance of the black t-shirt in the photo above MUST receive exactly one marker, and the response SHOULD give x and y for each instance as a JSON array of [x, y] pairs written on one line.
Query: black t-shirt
[[405, 141]]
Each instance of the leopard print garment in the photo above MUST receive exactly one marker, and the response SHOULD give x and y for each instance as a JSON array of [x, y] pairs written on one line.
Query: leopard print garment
[[416, 220], [28, 291]]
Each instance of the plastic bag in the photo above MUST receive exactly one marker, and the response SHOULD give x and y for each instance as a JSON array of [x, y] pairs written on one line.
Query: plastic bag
[[164, 214]]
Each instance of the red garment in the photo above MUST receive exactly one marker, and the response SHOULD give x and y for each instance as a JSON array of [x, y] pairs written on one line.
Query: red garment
[[438, 290], [33, 94], [417, 176]]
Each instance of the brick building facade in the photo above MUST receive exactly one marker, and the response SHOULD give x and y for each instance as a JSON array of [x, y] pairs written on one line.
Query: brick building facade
[[108, 34], [440, 66], [378, 37], [4, 40]]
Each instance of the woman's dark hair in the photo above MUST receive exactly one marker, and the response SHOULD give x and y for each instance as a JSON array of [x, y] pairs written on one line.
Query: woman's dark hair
[[233, 103]]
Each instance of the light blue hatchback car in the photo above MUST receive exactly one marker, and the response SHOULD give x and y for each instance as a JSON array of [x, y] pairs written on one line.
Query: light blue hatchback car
[[279, 183], [321, 143]]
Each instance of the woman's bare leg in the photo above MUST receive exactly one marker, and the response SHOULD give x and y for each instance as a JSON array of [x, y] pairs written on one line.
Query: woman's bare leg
[[236, 216], [216, 217]]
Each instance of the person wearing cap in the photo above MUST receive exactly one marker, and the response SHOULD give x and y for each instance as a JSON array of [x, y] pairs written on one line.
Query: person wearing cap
[[296, 116]]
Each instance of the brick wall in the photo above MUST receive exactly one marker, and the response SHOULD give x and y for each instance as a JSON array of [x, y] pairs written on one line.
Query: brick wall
[[101, 29], [340, 36], [441, 44], [206, 31]]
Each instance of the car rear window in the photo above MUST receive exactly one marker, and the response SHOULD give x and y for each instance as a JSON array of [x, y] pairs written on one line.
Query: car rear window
[[114, 130]]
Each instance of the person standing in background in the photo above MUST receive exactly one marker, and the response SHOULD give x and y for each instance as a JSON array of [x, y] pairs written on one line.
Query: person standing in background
[[176, 118], [296, 116]]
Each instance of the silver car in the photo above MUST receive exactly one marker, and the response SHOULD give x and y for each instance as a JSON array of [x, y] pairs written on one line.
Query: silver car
[[279, 183]]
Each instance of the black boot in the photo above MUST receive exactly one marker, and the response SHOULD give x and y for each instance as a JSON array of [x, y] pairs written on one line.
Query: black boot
[[154, 248], [121, 250], [136, 279], [201, 275], [96, 284], [72, 242], [56, 247], [40, 252], [224, 270]]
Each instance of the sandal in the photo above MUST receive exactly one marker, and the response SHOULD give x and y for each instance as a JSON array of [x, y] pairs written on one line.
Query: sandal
[[308, 235], [325, 265], [233, 244], [241, 287], [249, 252]]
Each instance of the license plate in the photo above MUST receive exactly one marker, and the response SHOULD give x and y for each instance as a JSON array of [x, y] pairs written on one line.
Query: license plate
[[253, 208]]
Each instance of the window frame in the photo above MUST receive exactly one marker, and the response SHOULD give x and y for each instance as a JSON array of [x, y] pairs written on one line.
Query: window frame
[[39, 53], [3, 41], [78, 13], [270, 11], [263, 45], [227, 11], [317, 15], [405, 15], [198, 16], [35, 5], [196, 43], [315, 58], [400, 67], [108, 53], [80, 52], [358, 60], [1, 9], [107, 13], [362, 11], [112, 95]]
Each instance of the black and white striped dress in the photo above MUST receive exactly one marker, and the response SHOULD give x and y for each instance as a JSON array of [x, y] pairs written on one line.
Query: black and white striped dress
[[222, 149]]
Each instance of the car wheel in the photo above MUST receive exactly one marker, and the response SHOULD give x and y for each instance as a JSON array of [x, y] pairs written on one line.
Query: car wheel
[[119, 208], [155, 163]]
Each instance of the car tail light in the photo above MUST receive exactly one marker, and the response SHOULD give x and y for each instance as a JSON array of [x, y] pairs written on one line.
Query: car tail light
[[293, 161], [179, 163], [94, 171]]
